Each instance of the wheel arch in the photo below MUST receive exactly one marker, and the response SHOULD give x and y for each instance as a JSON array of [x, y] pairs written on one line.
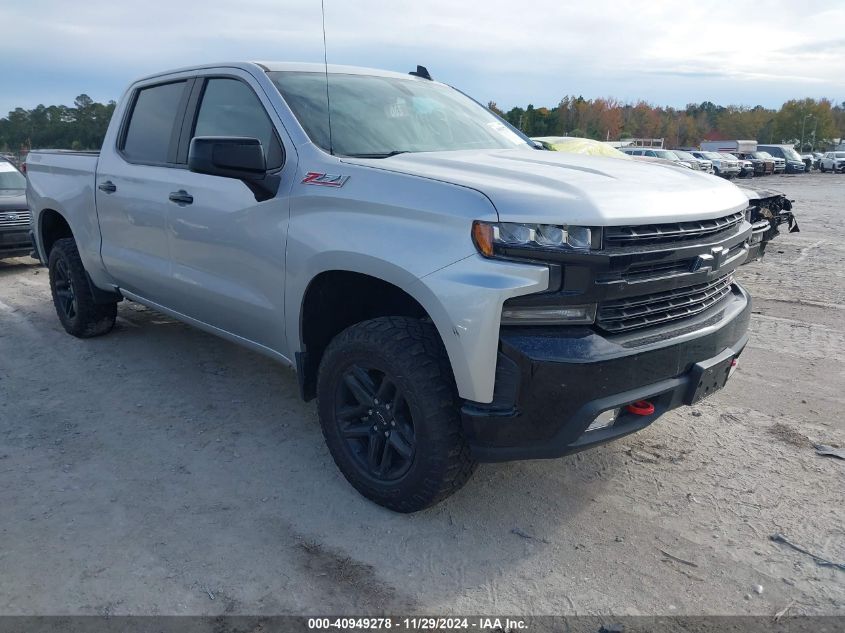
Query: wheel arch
[[52, 226], [337, 297]]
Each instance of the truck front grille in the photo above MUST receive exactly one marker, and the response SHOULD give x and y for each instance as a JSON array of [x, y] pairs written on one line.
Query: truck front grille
[[635, 312], [14, 219], [665, 270], [670, 232]]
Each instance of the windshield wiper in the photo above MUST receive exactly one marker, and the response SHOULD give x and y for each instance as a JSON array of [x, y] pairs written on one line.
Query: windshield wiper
[[384, 155]]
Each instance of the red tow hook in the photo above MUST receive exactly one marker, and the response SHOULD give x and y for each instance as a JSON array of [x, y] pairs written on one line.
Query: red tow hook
[[640, 407]]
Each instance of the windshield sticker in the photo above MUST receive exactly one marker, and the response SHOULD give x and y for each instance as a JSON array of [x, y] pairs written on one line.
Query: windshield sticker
[[505, 132], [397, 110]]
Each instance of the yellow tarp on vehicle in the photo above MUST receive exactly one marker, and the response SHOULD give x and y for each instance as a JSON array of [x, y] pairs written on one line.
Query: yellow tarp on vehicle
[[576, 145]]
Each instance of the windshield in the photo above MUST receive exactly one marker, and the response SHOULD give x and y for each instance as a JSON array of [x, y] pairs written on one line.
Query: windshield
[[791, 153], [761, 155], [711, 155], [839, 154], [683, 155], [665, 153], [728, 156], [374, 117], [11, 178]]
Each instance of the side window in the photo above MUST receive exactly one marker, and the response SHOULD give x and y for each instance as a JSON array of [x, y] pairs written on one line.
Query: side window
[[230, 108], [150, 129]]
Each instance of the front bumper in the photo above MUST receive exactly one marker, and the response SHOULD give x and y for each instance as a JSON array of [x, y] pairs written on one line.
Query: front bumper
[[15, 242], [552, 383]]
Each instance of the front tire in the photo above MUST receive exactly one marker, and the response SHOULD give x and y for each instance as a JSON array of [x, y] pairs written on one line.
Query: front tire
[[389, 412], [80, 315]]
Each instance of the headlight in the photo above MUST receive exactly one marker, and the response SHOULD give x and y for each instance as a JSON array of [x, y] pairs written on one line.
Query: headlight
[[487, 236]]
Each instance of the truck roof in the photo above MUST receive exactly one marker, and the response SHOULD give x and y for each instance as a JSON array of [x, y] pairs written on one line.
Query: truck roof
[[287, 66]]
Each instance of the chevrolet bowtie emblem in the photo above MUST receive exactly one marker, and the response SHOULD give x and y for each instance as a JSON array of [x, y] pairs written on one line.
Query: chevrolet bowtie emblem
[[712, 260]]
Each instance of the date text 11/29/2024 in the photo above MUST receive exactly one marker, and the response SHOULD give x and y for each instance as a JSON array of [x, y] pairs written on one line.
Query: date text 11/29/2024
[[422, 623]]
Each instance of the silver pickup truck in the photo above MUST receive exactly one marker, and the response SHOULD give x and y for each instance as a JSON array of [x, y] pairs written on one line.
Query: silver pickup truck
[[446, 291]]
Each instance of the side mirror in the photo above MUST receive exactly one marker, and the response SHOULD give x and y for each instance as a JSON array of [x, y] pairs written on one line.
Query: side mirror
[[241, 158]]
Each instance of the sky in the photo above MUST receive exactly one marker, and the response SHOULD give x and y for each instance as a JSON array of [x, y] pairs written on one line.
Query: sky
[[514, 53]]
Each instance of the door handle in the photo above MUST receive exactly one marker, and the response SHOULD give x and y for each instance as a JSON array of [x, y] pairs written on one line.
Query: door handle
[[107, 186], [181, 197]]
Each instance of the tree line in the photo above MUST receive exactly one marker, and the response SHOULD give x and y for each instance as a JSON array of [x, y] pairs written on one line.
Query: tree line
[[818, 121], [81, 126]]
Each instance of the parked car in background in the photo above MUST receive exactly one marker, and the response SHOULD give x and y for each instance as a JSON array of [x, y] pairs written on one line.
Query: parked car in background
[[779, 164], [746, 167], [590, 147], [703, 163], [729, 147], [792, 159], [15, 226], [808, 161], [725, 167], [817, 157], [665, 154], [763, 163], [832, 161], [578, 145]]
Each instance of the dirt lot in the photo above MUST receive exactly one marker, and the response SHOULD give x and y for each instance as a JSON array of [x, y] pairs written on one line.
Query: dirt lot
[[160, 470]]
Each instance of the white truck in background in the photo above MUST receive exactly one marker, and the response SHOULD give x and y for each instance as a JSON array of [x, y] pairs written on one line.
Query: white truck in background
[[730, 147]]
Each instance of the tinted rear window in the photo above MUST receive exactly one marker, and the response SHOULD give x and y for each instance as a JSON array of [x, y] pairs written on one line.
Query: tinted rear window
[[151, 126]]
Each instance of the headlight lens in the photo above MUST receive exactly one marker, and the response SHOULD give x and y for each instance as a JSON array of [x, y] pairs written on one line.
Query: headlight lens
[[488, 235]]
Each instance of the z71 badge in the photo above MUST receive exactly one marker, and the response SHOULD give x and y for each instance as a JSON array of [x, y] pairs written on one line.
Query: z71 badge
[[326, 180]]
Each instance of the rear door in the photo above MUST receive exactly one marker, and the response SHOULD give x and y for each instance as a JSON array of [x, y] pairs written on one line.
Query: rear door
[[134, 179], [227, 249]]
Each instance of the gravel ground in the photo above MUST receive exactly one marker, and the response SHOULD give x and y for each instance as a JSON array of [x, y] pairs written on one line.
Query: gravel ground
[[159, 470]]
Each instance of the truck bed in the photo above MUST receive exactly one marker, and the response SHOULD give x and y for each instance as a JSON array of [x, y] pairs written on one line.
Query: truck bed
[[63, 182]]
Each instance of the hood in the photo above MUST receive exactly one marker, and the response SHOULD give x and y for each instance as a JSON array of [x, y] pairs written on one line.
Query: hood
[[557, 188], [12, 199]]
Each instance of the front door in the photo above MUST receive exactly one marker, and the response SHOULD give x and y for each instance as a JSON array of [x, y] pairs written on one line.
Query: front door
[[227, 250]]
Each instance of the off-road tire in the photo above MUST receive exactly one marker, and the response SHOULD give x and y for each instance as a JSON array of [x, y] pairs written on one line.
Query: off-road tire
[[411, 354], [86, 318]]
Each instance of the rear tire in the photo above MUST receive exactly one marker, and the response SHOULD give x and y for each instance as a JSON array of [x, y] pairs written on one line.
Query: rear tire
[[389, 412], [80, 315], [822, 169]]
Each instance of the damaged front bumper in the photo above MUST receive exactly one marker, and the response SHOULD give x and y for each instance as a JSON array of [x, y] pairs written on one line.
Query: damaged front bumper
[[769, 210]]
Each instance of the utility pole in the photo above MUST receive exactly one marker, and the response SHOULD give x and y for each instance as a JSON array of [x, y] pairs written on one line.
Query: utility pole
[[803, 121], [813, 145]]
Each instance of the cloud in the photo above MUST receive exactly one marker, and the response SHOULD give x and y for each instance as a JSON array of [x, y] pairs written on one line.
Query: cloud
[[668, 52]]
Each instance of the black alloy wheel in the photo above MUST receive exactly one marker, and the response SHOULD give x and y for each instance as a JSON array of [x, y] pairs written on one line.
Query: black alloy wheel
[[390, 413], [79, 312], [375, 422], [63, 287]]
